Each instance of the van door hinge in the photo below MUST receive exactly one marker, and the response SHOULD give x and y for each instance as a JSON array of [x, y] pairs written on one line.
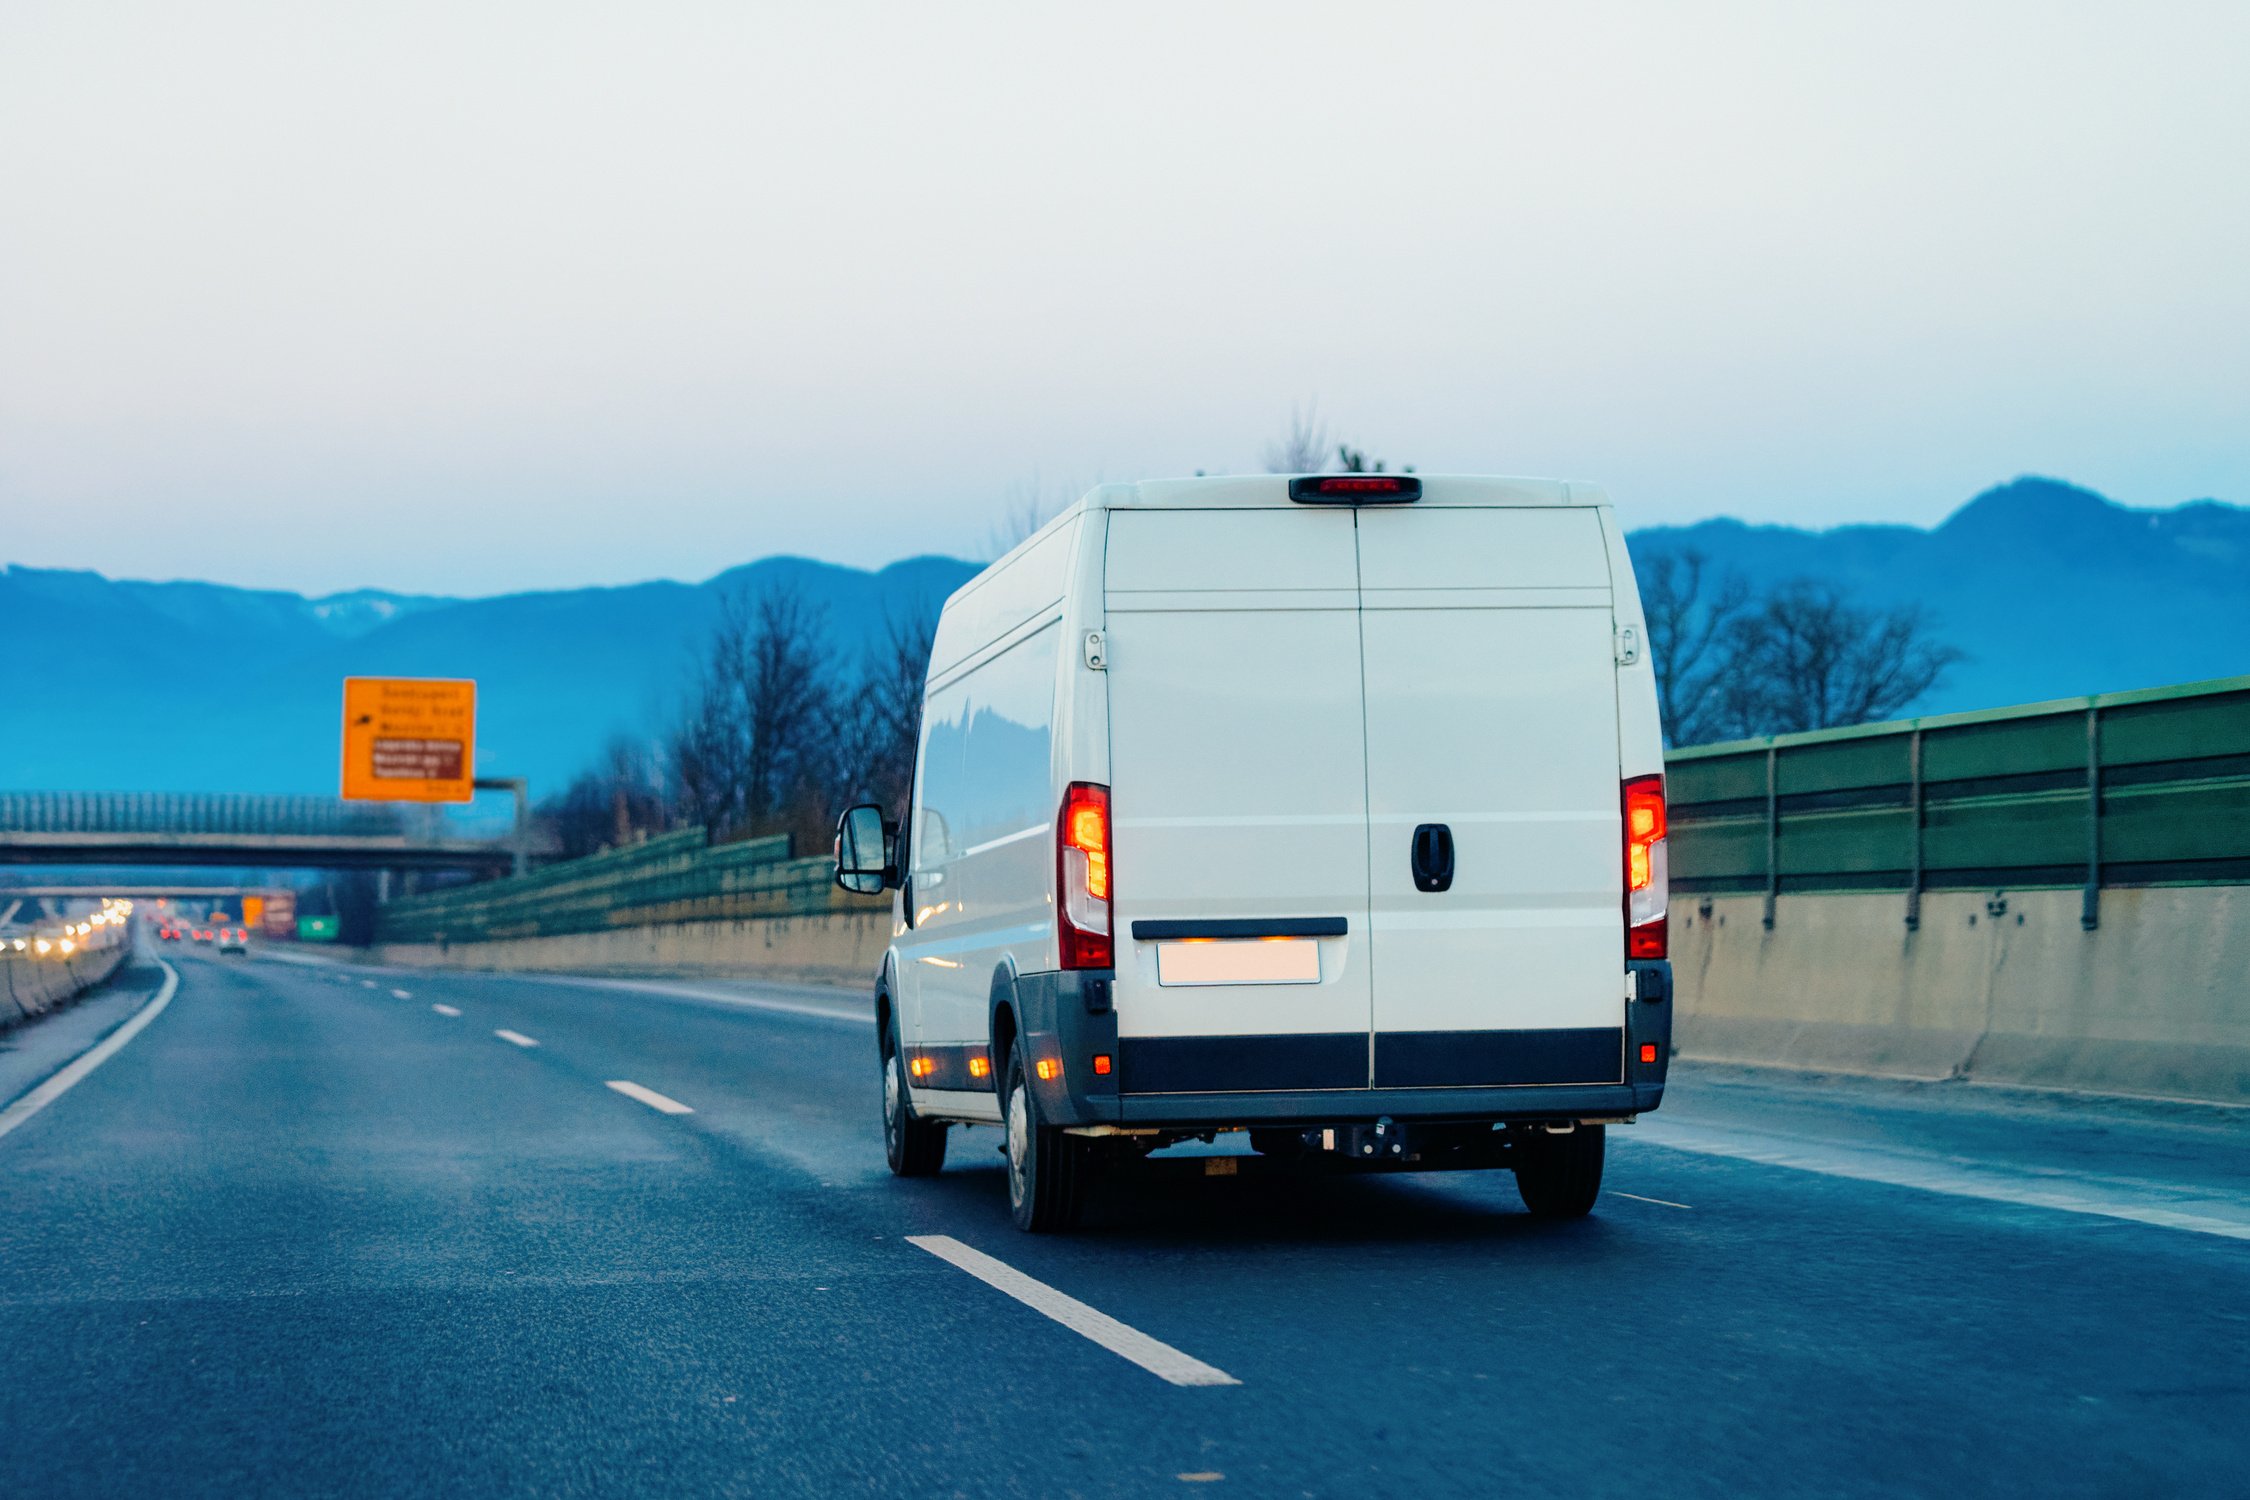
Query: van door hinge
[[1628, 645], [1097, 651]]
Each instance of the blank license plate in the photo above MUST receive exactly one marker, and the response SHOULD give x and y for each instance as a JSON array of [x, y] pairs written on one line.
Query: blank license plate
[[1238, 961]]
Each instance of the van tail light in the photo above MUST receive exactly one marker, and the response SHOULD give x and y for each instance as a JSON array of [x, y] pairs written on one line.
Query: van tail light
[[1082, 878], [1647, 874]]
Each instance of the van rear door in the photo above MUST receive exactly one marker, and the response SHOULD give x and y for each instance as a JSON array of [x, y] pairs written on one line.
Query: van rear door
[[1491, 700], [1238, 801]]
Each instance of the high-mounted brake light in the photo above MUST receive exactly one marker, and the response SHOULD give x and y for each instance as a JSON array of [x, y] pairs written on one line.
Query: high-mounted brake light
[[1647, 874], [1355, 489], [1082, 883]]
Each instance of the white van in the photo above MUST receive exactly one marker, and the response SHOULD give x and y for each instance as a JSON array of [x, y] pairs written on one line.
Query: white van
[[1328, 808]]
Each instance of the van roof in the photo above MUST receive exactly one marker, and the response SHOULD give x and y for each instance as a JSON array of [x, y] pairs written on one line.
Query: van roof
[[1253, 491]]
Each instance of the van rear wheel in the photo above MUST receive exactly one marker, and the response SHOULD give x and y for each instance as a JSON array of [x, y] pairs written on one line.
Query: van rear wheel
[[1558, 1176], [1046, 1168], [914, 1147]]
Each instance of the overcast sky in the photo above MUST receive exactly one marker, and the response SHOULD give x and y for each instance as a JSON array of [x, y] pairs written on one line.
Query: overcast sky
[[467, 298]]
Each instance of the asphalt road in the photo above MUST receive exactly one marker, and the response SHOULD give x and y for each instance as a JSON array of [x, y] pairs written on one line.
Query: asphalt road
[[312, 1233]]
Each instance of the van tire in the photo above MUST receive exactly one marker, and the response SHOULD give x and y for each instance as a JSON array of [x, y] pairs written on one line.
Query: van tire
[[914, 1147], [1558, 1176], [1046, 1168]]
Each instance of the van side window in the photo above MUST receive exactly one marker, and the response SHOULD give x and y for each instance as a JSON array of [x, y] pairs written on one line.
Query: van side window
[[987, 742]]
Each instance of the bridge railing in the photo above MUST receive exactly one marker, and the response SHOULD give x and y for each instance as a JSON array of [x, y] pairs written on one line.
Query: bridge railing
[[197, 813]]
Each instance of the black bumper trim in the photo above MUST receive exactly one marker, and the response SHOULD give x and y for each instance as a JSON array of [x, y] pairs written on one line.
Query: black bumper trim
[[1230, 1064], [1473, 1059]]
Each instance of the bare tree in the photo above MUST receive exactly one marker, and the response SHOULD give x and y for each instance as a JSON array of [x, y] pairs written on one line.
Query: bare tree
[[1352, 460], [753, 746], [1304, 449], [703, 750], [784, 683], [1691, 614], [887, 710], [617, 800], [1808, 657]]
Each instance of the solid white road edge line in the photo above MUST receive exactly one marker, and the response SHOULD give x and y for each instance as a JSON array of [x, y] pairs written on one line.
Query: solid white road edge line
[[1959, 1180], [515, 1038], [649, 1097], [93, 1057], [446, 1010], [1153, 1355]]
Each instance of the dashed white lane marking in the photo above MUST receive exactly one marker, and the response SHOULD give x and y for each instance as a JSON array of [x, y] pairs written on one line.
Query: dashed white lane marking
[[649, 1097], [93, 1057], [515, 1038], [367, 984], [2137, 1202], [1153, 1355], [446, 1010], [401, 995], [1637, 1198]]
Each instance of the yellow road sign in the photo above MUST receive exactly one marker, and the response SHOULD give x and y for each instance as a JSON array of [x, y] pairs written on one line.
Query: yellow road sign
[[409, 739], [253, 911]]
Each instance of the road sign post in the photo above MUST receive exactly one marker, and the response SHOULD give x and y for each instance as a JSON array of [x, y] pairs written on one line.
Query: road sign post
[[409, 739], [522, 790]]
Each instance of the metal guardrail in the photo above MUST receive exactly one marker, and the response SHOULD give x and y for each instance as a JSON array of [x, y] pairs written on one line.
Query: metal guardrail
[[2122, 789], [675, 877]]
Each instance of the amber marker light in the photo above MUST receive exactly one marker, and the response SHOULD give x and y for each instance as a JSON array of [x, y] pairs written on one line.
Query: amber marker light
[[980, 1067], [1048, 1069]]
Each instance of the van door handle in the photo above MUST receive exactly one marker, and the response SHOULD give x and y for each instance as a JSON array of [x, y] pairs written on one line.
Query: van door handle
[[1433, 857]]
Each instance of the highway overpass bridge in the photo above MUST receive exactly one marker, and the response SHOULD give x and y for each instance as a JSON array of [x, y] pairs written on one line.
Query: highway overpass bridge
[[134, 829]]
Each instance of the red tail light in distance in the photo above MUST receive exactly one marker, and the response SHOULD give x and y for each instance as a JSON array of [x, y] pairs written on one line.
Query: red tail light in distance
[[1082, 877], [1647, 878]]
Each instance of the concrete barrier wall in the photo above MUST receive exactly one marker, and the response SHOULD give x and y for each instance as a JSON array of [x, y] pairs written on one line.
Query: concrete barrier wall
[[32, 986], [837, 948], [2005, 988]]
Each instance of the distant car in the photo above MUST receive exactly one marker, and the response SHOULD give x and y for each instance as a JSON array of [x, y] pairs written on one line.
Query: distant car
[[234, 940], [169, 934], [203, 934]]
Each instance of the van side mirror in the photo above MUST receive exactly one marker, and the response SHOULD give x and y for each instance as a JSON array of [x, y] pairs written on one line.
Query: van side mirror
[[865, 865]]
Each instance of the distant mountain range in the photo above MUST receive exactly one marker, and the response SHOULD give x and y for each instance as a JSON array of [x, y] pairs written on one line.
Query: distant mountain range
[[2052, 590]]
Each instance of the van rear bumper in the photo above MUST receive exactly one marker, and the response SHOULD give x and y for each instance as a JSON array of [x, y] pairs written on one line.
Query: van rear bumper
[[1067, 1016], [1349, 1106]]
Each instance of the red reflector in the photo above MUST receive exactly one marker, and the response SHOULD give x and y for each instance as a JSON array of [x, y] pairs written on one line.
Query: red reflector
[[1648, 1052], [1101, 1062]]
